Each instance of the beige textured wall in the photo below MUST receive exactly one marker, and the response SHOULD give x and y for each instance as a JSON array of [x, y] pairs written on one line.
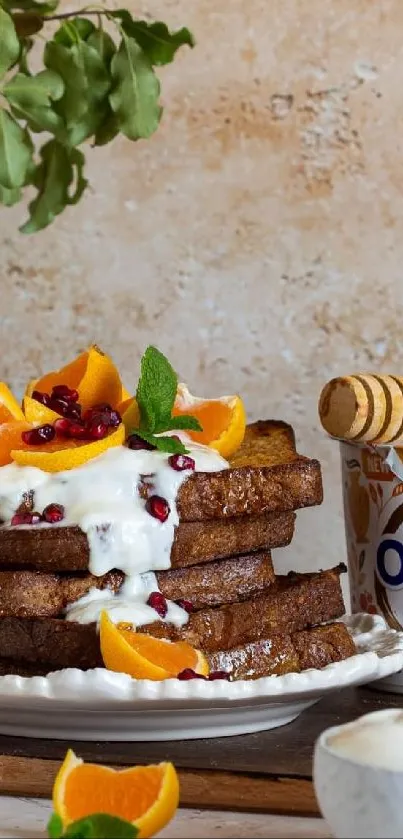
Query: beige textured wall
[[257, 238]]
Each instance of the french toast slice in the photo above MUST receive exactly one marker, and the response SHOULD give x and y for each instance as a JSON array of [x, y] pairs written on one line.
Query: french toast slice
[[274, 656], [294, 603], [29, 594], [61, 549]]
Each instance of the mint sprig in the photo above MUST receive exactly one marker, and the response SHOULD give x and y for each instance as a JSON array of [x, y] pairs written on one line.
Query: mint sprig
[[97, 826], [156, 394]]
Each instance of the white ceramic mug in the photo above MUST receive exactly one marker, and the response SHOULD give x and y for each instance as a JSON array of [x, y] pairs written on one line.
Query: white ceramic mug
[[358, 776]]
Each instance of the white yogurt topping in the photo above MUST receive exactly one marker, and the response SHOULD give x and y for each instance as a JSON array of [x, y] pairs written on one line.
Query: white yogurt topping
[[102, 498], [374, 740]]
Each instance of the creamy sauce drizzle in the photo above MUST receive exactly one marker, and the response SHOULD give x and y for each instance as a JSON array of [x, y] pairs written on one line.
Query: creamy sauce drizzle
[[102, 497]]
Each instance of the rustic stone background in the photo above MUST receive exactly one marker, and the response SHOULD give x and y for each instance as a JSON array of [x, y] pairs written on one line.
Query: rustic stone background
[[257, 238]]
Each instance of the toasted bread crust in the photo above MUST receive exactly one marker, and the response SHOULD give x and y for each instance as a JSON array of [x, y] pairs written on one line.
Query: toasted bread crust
[[276, 655], [63, 549], [296, 602], [280, 654], [30, 594]]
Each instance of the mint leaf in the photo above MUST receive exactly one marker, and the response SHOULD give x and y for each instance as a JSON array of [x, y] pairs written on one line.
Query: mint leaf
[[55, 827], [135, 95], [101, 826], [15, 152], [155, 39], [171, 445], [156, 390], [184, 422], [9, 43]]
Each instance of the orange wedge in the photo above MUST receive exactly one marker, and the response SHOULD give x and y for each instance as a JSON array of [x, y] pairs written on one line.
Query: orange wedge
[[223, 420], [59, 456], [129, 411], [10, 438], [92, 373], [144, 657], [9, 407], [145, 796], [37, 413]]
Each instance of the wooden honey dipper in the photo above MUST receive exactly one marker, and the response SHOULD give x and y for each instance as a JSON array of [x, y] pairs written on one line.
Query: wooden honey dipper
[[365, 408]]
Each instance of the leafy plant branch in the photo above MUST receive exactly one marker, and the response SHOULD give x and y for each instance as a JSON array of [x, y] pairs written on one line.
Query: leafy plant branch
[[95, 84]]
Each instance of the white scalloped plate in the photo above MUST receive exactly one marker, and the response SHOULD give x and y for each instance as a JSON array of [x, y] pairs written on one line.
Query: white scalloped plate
[[100, 705]]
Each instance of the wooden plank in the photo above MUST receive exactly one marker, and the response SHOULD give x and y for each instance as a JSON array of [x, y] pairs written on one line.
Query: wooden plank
[[201, 789]]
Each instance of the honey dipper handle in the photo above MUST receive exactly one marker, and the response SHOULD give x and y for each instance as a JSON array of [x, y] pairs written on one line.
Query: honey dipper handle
[[364, 408]]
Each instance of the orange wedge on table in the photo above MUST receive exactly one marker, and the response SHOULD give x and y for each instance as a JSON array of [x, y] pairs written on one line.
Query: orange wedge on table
[[93, 374], [144, 657], [145, 796], [59, 456]]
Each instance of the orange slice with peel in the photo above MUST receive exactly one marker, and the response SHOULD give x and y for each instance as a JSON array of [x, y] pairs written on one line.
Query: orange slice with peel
[[223, 420], [37, 413], [129, 411], [145, 796], [144, 657], [9, 407], [93, 374], [59, 456], [10, 438]]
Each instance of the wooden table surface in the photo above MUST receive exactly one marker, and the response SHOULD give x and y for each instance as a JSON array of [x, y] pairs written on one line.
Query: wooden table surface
[[26, 818]]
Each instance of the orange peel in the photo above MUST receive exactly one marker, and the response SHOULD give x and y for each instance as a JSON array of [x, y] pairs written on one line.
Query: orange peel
[[223, 420], [9, 408], [60, 456]]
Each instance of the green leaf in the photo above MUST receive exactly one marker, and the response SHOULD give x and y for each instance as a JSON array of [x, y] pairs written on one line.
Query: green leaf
[[78, 161], [170, 445], [15, 152], [134, 98], [53, 178], [65, 62], [55, 826], [184, 422], [155, 39], [156, 390], [108, 129], [103, 44], [72, 31], [101, 826], [9, 43], [31, 98], [9, 197]]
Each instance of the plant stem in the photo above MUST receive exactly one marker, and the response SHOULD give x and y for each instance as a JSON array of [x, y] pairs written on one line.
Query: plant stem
[[65, 15]]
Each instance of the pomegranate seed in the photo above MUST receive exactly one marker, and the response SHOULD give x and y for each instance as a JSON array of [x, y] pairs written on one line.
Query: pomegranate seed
[[135, 442], [25, 518], [97, 430], [74, 412], [37, 436], [158, 602], [158, 507], [60, 406], [114, 419], [186, 605], [43, 398], [78, 432], [53, 513], [102, 407], [188, 673], [64, 392], [180, 462], [105, 414], [218, 674], [63, 426]]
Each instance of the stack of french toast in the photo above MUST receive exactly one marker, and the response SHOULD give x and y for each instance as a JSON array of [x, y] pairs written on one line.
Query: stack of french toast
[[248, 620]]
